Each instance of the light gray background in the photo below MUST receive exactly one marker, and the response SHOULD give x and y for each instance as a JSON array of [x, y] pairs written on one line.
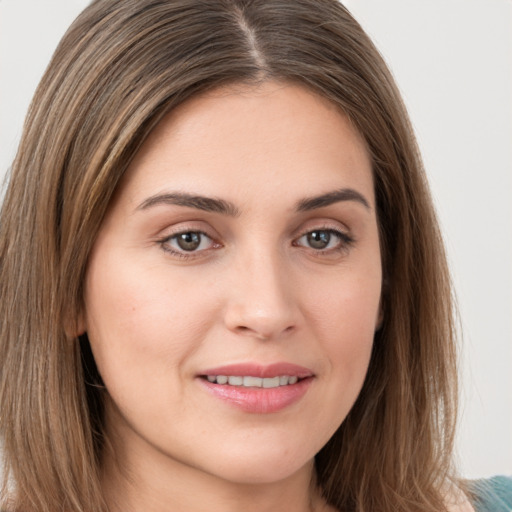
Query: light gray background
[[453, 62]]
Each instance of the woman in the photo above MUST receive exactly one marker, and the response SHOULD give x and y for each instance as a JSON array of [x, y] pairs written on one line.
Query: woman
[[222, 280]]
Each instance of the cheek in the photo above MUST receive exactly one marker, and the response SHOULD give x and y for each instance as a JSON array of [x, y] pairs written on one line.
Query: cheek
[[141, 324], [346, 305], [344, 316]]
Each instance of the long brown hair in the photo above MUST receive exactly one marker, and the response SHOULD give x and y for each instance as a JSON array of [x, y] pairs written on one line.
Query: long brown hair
[[120, 68]]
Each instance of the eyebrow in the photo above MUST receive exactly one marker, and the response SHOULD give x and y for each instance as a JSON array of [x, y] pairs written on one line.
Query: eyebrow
[[215, 205], [208, 204], [321, 201]]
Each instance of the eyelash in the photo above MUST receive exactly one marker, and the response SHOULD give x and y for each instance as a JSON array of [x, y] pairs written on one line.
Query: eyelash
[[164, 243], [345, 241]]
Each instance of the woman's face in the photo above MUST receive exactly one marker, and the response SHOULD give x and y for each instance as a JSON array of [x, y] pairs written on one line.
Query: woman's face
[[233, 291]]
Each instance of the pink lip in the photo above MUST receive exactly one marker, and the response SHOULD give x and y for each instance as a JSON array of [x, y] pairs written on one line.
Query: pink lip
[[263, 371], [259, 400]]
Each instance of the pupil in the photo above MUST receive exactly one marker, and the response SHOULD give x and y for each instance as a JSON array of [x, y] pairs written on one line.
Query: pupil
[[189, 241], [319, 239]]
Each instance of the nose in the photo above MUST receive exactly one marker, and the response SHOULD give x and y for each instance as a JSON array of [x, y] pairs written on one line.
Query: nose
[[261, 301]]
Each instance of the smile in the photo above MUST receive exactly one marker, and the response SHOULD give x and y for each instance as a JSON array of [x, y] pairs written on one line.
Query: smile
[[249, 381], [256, 388]]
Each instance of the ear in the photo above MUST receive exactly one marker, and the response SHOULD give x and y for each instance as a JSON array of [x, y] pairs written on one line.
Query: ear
[[81, 324], [75, 326]]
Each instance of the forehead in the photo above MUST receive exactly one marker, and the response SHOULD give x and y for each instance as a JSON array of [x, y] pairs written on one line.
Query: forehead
[[239, 138]]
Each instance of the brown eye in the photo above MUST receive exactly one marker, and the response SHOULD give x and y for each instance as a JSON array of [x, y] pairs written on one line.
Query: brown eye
[[318, 239], [187, 242], [325, 240]]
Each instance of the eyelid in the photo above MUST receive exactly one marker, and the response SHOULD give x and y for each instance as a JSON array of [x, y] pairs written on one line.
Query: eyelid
[[322, 224], [164, 240], [346, 239], [341, 234]]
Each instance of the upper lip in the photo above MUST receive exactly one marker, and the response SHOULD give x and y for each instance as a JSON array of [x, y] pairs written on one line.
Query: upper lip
[[260, 370]]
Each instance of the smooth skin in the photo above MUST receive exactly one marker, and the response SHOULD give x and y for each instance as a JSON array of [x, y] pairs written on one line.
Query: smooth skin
[[282, 266]]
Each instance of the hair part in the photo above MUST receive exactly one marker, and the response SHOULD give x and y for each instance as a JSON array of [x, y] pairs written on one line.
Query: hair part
[[119, 69]]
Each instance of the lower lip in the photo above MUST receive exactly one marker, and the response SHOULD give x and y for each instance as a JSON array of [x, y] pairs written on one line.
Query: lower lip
[[260, 400]]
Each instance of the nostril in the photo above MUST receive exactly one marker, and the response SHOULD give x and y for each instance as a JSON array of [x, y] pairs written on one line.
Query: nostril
[[262, 334], [256, 333]]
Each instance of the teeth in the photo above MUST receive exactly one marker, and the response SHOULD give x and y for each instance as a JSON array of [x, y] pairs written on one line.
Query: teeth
[[271, 383], [253, 382]]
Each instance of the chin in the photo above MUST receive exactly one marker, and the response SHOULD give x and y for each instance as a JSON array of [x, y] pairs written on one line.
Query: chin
[[261, 469], [251, 474]]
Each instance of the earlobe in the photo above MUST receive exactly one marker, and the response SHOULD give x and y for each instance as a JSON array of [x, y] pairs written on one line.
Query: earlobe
[[81, 324], [76, 327]]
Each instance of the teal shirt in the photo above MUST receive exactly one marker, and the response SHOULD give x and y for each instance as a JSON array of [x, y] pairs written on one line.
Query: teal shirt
[[493, 495]]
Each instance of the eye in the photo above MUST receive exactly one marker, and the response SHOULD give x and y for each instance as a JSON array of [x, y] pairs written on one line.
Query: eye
[[187, 242], [324, 239]]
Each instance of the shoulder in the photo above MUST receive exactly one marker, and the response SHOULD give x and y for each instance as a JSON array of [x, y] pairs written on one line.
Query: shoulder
[[493, 494]]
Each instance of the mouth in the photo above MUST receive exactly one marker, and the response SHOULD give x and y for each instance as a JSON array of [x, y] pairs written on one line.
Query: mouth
[[253, 375], [249, 381], [256, 388]]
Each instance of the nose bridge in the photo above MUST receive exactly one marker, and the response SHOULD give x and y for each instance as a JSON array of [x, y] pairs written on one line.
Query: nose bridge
[[261, 302]]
